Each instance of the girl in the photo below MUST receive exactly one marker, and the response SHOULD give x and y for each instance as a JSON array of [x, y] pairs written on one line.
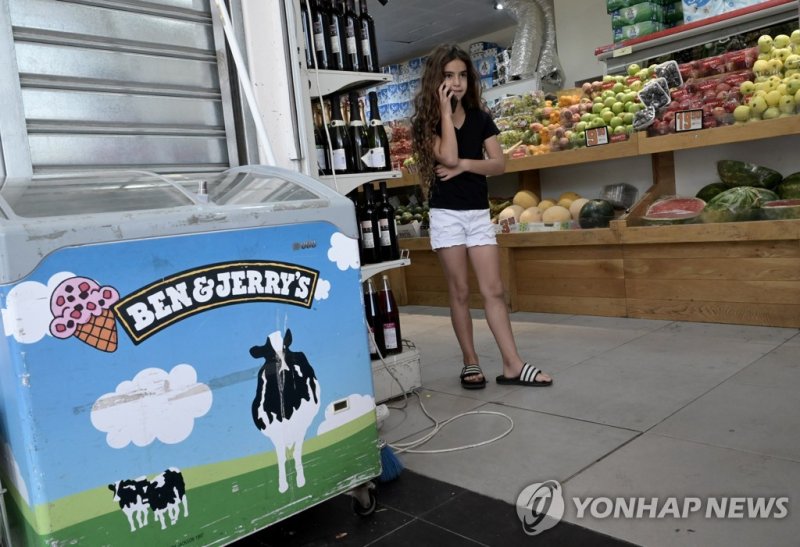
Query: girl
[[455, 142]]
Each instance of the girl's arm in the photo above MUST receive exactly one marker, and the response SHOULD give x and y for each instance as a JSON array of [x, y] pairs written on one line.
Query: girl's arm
[[445, 147], [494, 164]]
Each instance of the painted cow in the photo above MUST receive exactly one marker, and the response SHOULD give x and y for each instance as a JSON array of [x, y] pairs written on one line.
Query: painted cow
[[165, 493], [286, 401], [131, 494]]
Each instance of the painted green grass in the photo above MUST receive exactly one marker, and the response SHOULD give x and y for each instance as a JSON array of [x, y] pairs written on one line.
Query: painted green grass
[[226, 500]]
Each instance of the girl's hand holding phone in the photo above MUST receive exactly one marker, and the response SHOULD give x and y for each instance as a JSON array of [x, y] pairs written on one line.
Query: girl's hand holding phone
[[447, 99]]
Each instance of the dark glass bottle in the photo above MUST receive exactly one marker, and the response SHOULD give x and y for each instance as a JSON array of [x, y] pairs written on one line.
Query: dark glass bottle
[[320, 143], [340, 147], [308, 35], [378, 141], [358, 136], [335, 27], [372, 311], [352, 44], [369, 46], [390, 319], [390, 249], [319, 26], [368, 228]]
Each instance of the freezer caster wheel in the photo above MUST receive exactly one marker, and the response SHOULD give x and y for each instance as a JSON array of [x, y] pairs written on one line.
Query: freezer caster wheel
[[364, 499]]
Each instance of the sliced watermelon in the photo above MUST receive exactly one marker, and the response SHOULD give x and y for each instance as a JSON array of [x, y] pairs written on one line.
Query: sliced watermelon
[[782, 209], [674, 210]]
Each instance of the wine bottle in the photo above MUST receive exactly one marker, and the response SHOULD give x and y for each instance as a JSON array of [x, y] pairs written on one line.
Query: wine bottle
[[369, 46], [308, 35], [390, 319], [358, 136], [341, 149], [352, 42], [368, 227], [390, 249], [320, 143], [335, 25], [378, 141], [319, 25], [372, 311]]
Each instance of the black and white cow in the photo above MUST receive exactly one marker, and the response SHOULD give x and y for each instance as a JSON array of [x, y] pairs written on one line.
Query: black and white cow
[[166, 492], [131, 494], [286, 402]]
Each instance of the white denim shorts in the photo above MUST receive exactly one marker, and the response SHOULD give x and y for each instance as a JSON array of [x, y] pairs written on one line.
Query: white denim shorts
[[450, 228]]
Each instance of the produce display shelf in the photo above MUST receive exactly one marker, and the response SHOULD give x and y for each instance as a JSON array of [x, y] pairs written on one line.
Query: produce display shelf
[[755, 130], [618, 56], [611, 151], [332, 81]]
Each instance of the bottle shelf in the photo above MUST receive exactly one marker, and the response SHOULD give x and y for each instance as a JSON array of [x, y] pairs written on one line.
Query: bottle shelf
[[332, 81], [369, 270], [344, 184]]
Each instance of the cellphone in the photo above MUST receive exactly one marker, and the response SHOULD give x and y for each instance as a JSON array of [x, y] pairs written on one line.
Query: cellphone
[[453, 103]]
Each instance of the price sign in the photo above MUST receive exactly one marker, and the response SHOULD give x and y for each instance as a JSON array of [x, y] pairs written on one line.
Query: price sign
[[597, 136], [688, 120]]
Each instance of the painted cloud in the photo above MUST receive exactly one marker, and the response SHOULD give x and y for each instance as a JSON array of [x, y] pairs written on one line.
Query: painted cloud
[[27, 315], [156, 404], [344, 252], [357, 406]]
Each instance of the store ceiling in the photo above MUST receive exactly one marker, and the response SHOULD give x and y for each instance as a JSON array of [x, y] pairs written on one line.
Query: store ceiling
[[410, 28]]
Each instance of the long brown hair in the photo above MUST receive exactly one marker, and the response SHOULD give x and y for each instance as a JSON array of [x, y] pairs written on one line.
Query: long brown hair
[[425, 121]]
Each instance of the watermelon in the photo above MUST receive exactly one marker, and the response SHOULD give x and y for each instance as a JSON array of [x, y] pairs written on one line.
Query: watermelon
[[674, 210], [790, 187], [710, 190], [781, 210], [596, 213], [738, 173], [737, 204]]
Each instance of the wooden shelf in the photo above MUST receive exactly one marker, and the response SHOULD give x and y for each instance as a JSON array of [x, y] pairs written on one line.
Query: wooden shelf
[[755, 130], [612, 151]]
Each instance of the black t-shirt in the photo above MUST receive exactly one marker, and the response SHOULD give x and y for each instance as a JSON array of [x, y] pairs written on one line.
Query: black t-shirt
[[466, 191]]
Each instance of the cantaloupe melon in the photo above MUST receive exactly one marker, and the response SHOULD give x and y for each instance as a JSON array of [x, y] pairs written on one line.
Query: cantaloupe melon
[[569, 195], [575, 208], [511, 211], [531, 214], [525, 199], [546, 204], [565, 203], [556, 213]]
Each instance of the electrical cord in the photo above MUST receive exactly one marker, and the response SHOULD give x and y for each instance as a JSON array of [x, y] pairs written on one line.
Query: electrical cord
[[411, 446]]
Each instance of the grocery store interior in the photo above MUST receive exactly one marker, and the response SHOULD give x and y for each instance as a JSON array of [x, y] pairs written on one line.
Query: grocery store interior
[[648, 227]]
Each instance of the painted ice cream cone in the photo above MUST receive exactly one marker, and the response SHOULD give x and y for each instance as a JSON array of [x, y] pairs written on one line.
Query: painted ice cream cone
[[80, 308]]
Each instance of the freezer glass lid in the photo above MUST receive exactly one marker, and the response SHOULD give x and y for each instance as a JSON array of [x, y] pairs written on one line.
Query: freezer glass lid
[[92, 193], [250, 188]]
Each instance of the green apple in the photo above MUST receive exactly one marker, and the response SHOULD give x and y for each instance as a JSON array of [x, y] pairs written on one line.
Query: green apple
[[633, 108], [619, 130], [773, 97], [761, 67], [747, 88], [608, 78], [782, 54], [617, 107], [643, 74], [771, 113], [627, 118], [775, 66], [741, 113], [797, 98], [633, 69], [786, 104], [607, 116], [616, 121], [782, 89], [619, 87], [781, 41], [586, 118], [765, 43], [636, 85], [597, 108], [580, 127], [792, 86], [795, 37], [620, 97], [758, 105], [792, 62], [609, 102]]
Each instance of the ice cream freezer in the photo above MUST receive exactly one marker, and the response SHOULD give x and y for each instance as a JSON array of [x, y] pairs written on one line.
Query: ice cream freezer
[[184, 360]]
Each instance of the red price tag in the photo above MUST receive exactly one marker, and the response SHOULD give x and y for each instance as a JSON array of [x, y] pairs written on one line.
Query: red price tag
[[688, 120], [597, 136]]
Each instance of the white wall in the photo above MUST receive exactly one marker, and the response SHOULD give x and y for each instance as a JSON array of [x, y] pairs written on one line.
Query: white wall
[[581, 26]]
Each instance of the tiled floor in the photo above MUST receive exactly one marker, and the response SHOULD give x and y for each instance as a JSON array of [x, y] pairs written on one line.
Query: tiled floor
[[639, 409]]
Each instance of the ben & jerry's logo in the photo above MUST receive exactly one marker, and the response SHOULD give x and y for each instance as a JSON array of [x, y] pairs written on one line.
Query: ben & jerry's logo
[[155, 306]]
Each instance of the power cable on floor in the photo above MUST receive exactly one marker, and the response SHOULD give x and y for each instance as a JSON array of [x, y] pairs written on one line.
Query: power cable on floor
[[411, 446]]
